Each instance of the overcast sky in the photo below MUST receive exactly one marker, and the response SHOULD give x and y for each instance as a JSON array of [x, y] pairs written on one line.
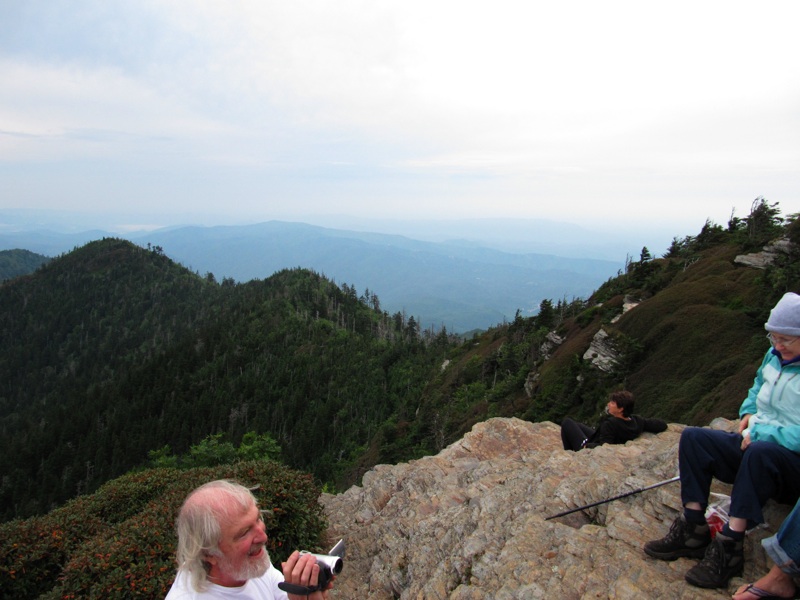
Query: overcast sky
[[607, 113]]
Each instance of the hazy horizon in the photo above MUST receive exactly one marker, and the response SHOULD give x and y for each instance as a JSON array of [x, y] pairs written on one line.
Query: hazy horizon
[[615, 116], [518, 236]]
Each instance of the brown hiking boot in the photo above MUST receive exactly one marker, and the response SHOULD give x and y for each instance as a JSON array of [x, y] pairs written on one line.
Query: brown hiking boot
[[683, 540], [724, 559]]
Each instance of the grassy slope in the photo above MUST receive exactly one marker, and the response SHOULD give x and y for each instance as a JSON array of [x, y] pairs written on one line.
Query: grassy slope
[[703, 340]]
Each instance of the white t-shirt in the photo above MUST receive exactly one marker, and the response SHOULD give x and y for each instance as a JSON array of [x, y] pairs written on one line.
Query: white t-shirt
[[261, 588]]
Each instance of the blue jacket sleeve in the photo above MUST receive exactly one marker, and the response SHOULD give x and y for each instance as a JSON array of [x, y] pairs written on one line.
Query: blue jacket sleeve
[[787, 436]]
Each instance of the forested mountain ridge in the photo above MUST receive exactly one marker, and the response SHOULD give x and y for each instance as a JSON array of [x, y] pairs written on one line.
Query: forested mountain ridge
[[14, 263], [112, 351], [462, 285]]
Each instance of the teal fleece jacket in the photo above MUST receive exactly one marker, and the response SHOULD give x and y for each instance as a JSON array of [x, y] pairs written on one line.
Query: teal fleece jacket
[[774, 403]]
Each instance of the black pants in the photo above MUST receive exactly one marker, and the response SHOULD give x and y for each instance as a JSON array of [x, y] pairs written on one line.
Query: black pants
[[765, 470], [574, 434]]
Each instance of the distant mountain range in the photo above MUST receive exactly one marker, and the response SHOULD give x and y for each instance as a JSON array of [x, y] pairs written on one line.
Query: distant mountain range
[[460, 285]]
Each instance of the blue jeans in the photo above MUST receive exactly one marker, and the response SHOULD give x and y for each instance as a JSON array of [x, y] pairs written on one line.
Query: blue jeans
[[784, 547], [765, 470]]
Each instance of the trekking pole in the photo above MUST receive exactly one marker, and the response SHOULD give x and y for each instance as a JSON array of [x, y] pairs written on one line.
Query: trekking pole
[[649, 487]]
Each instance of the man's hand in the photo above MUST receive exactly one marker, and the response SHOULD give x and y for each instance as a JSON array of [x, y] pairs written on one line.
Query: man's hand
[[302, 569]]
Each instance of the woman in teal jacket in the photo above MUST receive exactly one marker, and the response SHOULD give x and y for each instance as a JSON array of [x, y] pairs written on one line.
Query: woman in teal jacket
[[770, 413], [762, 460]]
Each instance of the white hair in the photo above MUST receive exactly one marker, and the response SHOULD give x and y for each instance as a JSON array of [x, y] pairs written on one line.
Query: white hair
[[199, 526]]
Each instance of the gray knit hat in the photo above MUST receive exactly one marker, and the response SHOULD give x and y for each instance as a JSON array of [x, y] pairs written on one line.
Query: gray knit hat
[[784, 319]]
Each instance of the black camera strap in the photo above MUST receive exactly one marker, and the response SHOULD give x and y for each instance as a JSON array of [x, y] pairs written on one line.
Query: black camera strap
[[300, 590]]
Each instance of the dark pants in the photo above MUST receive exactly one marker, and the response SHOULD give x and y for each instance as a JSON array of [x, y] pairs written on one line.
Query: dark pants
[[573, 434], [764, 470]]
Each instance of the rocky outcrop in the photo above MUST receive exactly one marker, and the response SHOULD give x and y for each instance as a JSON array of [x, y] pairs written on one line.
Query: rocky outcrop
[[471, 522], [551, 341], [761, 260], [602, 353], [628, 303]]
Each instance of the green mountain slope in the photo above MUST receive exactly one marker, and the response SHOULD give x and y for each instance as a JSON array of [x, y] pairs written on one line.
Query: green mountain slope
[[14, 263], [112, 351], [688, 350]]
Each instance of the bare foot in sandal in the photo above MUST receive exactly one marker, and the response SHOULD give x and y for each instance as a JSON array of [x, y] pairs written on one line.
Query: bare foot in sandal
[[775, 584]]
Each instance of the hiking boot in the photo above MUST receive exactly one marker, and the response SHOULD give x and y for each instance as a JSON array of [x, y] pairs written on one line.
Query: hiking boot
[[684, 539], [724, 559]]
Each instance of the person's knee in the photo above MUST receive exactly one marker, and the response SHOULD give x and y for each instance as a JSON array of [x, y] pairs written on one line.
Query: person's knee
[[692, 436], [760, 455], [569, 425]]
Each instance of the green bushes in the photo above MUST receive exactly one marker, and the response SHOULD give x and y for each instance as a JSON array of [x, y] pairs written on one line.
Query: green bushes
[[214, 450], [120, 541]]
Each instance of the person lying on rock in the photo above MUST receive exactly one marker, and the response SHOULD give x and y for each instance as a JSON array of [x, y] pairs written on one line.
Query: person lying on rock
[[617, 426], [762, 460], [784, 549], [222, 551]]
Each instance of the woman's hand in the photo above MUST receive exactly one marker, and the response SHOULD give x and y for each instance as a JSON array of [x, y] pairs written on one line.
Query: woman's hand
[[745, 439], [745, 431], [744, 422]]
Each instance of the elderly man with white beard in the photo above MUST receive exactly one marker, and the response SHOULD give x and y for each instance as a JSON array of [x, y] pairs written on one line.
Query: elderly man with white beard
[[222, 551]]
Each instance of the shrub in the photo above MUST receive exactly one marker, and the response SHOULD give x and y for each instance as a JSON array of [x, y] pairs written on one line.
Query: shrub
[[120, 541]]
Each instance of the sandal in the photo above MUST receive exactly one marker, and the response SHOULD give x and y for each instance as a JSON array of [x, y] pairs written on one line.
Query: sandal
[[763, 594]]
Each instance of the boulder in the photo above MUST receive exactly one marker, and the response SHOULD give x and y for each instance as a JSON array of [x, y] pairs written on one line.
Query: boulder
[[471, 522], [601, 353], [768, 255]]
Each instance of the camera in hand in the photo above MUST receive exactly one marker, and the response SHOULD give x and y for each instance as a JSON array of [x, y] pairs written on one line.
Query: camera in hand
[[330, 564]]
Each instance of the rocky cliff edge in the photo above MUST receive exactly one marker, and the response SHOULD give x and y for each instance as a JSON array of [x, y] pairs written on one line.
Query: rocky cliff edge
[[470, 523]]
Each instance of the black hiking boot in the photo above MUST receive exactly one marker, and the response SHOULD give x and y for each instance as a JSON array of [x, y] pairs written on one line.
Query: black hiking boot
[[683, 540], [724, 559]]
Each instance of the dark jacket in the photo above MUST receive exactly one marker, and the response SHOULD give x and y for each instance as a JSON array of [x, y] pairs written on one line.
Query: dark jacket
[[613, 430]]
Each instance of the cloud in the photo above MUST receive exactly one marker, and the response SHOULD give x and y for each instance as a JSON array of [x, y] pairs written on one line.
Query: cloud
[[57, 111], [514, 107]]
